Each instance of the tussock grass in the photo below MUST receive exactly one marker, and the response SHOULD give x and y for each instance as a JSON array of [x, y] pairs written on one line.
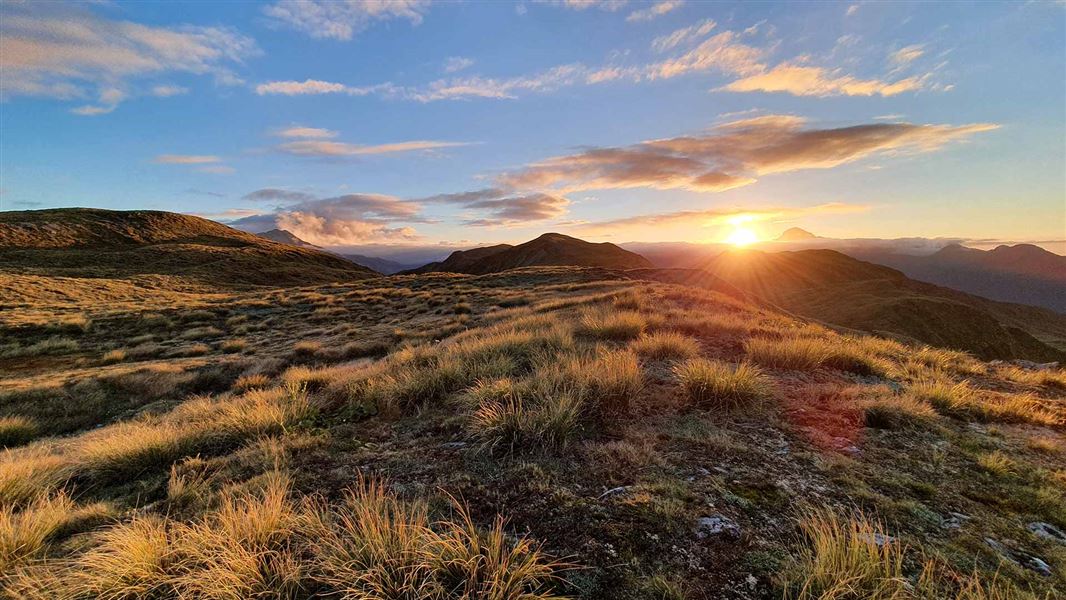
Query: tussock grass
[[25, 533], [199, 333], [306, 348], [891, 411], [996, 463], [16, 430], [253, 381], [665, 345], [1050, 378], [612, 326], [609, 384], [233, 346], [29, 473], [699, 324], [515, 422], [962, 401], [113, 356], [47, 347], [809, 353], [714, 384], [263, 543], [847, 559]]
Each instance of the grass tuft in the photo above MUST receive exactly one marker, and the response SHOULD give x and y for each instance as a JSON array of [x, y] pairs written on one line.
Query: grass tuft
[[665, 345], [714, 384]]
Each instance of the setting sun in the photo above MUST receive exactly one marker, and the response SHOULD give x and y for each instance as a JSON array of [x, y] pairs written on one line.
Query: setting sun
[[741, 236]]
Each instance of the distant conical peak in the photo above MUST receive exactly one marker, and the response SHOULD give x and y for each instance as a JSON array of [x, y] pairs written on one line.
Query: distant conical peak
[[795, 233]]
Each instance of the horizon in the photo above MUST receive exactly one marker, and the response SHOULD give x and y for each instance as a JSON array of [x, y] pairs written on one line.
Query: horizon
[[408, 126]]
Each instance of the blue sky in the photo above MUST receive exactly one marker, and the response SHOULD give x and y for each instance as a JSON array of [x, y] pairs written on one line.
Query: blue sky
[[414, 123]]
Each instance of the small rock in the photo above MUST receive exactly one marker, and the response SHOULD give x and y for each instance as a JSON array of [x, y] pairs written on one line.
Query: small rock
[[998, 547], [1047, 531], [613, 492], [1038, 565], [453, 445], [955, 520], [716, 525]]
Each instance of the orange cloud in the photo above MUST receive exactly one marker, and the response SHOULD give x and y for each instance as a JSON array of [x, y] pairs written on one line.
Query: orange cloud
[[718, 216], [816, 81], [732, 155]]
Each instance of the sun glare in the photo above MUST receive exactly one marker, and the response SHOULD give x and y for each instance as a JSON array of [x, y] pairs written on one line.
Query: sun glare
[[741, 236]]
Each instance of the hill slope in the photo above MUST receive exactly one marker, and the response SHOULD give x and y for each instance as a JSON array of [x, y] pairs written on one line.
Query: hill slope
[[92, 243], [834, 288], [548, 250]]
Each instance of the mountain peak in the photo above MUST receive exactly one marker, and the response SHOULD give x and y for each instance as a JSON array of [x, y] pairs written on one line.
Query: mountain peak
[[795, 234], [284, 236]]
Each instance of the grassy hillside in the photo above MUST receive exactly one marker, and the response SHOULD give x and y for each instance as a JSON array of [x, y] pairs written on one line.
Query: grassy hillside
[[550, 249], [139, 247], [833, 288], [548, 432]]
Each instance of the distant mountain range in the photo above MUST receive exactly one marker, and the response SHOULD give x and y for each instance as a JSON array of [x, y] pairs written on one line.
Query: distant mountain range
[[381, 265], [550, 249], [1022, 273]]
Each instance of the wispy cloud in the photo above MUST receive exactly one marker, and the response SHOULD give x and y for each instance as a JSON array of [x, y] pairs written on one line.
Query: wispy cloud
[[732, 155], [306, 133], [329, 148], [683, 36], [69, 53], [801, 80], [605, 5], [342, 19], [454, 64], [187, 159], [166, 91], [906, 55], [314, 87], [501, 207], [654, 11]]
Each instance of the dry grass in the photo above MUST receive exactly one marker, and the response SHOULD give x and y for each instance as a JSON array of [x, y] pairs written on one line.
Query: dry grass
[[714, 384], [245, 383], [233, 346], [16, 430], [847, 559], [1050, 378], [665, 345], [897, 411], [25, 533], [962, 401], [996, 463], [612, 326], [809, 353], [113, 356], [265, 544]]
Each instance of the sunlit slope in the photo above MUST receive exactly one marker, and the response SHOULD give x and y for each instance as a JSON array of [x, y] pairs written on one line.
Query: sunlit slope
[[550, 249], [834, 288], [90, 243]]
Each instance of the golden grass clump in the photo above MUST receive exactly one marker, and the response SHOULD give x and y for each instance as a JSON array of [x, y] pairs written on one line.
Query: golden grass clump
[[610, 383], [505, 418], [113, 356], [996, 463], [962, 401], [847, 559], [714, 384], [233, 346], [253, 381], [613, 326], [1052, 378], [809, 353], [30, 472], [24, 533], [665, 345], [16, 430]]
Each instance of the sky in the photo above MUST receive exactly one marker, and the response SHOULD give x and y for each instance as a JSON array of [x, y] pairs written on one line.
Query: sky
[[377, 125]]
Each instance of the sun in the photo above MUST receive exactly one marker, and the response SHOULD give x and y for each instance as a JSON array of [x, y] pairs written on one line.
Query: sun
[[741, 236]]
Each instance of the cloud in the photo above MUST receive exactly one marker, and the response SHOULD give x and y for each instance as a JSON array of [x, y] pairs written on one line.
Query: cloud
[[454, 64], [817, 81], [605, 5], [339, 221], [342, 19], [166, 91], [278, 195], [503, 207], [683, 36], [312, 87], [906, 55], [718, 216], [66, 52], [306, 133], [186, 159], [852, 10], [335, 149], [732, 155], [655, 10]]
